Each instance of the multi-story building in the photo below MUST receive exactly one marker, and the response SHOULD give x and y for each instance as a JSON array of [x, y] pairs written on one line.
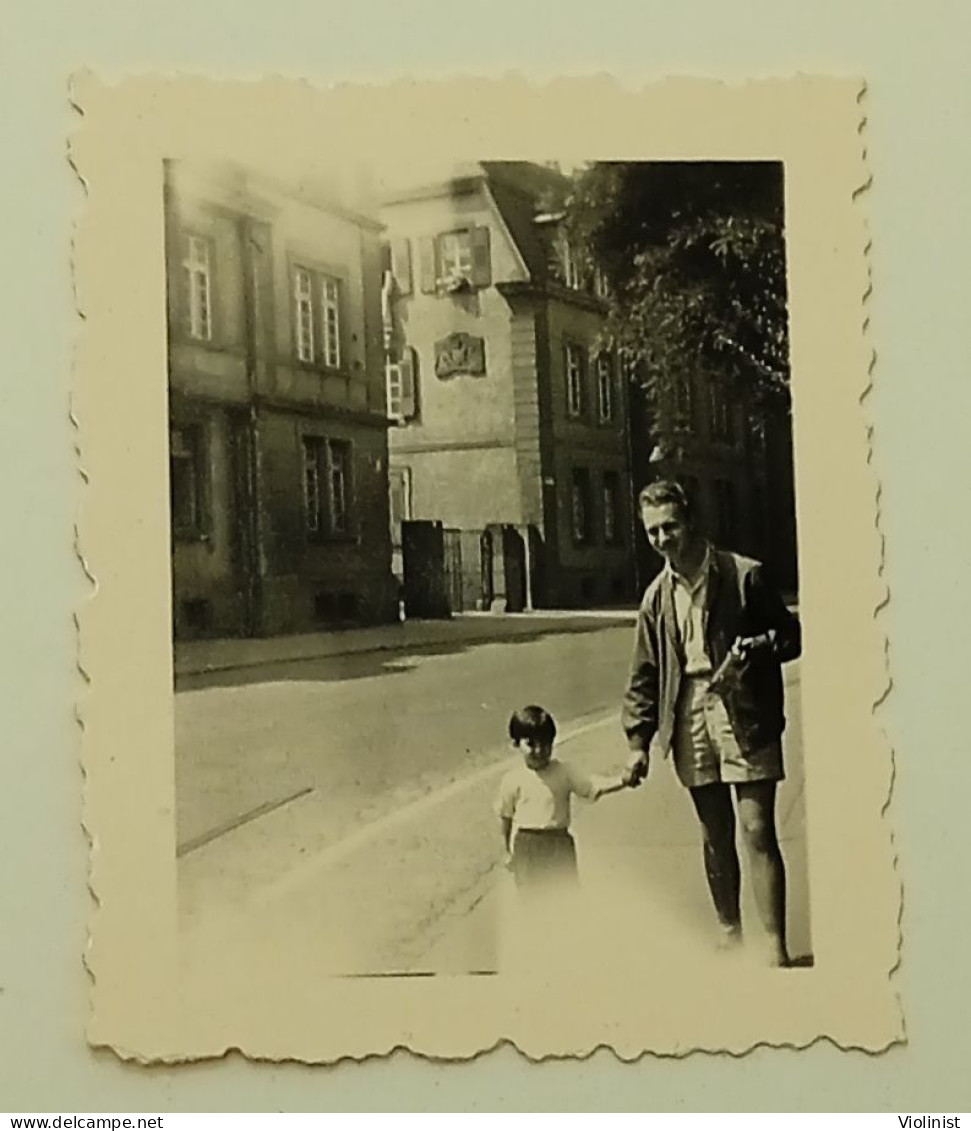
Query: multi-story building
[[511, 415], [278, 417]]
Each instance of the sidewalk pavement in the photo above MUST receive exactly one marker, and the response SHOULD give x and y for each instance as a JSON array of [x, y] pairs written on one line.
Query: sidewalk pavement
[[196, 657]]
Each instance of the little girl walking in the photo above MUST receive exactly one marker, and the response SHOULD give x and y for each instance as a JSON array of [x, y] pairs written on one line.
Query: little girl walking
[[534, 804]]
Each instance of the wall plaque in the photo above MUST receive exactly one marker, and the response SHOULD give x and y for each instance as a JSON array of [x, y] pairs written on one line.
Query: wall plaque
[[459, 353]]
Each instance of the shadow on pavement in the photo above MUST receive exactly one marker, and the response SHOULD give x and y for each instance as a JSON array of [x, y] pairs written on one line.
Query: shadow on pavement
[[392, 660]]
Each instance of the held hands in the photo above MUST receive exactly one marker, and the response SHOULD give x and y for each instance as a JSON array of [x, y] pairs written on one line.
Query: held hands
[[637, 767]]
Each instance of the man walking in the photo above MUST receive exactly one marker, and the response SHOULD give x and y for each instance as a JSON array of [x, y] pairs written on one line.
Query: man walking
[[706, 682]]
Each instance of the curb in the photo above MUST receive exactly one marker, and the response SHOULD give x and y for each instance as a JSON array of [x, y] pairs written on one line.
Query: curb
[[550, 625]]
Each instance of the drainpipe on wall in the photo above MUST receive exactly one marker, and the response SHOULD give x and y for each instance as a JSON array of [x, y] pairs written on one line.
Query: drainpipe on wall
[[528, 567], [256, 563]]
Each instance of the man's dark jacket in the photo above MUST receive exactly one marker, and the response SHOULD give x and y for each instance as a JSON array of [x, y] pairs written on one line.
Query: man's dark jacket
[[739, 603]]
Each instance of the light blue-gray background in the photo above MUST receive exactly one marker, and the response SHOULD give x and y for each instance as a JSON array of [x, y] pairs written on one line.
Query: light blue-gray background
[[915, 56]]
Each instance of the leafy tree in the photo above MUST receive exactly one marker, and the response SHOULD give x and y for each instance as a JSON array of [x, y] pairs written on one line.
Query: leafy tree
[[693, 254]]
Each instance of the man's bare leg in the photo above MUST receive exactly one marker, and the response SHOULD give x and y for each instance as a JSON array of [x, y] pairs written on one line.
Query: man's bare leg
[[756, 815], [713, 804]]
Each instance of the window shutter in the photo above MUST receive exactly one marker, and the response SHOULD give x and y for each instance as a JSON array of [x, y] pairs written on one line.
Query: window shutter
[[401, 265], [481, 261], [426, 256], [408, 368]]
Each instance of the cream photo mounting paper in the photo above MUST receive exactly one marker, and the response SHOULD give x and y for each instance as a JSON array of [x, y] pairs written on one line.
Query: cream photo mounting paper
[[362, 442]]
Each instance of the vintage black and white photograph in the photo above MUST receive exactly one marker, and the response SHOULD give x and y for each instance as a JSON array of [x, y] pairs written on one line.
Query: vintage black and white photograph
[[486, 551], [444, 457]]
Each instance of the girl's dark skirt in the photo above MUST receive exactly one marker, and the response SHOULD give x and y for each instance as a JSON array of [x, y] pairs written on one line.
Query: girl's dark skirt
[[544, 858]]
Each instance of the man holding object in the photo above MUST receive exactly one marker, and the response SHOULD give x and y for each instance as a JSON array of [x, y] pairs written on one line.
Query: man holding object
[[706, 683]]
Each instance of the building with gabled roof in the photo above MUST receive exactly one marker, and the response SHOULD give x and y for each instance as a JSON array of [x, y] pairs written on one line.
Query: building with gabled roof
[[511, 419]]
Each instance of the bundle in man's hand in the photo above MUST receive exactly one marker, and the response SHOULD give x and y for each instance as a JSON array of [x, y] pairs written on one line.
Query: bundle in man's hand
[[727, 675]]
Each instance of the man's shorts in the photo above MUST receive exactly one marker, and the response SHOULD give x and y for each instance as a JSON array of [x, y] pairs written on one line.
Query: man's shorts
[[705, 748]]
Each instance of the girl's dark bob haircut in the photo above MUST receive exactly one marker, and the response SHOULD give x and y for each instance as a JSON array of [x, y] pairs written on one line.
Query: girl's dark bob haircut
[[532, 722]]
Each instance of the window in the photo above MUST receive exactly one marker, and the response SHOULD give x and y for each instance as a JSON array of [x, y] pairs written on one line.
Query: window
[[187, 481], [451, 261], [574, 379], [316, 305], [605, 388], [303, 297], [580, 505], [332, 344], [611, 506], [313, 459], [197, 266], [601, 285], [392, 377], [340, 475], [455, 255], [721, 410], [327, 485], [402, 386], [571, 265]]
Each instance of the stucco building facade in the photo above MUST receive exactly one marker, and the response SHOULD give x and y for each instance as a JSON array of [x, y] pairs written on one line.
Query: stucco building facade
[[279, 455]]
